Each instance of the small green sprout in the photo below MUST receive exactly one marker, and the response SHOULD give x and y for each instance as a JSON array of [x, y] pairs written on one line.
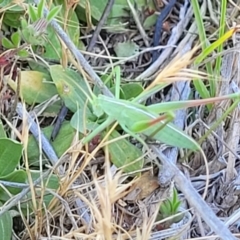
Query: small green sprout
[[34, 31], [169, 208], [14, 43]]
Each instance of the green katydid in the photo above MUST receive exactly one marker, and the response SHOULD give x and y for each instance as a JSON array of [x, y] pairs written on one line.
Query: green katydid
[[134, 117]]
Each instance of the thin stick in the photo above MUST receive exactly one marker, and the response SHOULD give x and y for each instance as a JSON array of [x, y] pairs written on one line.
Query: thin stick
[[138, 24], [22, 194], [61, 116], [46, 146], [100, 25]]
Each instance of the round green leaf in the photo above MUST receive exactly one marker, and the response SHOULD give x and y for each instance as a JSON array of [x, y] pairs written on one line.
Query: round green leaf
[[18, 176], [36, 87], [10, 154]]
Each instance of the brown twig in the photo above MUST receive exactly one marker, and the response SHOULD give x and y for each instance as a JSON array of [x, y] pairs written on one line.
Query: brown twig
[[100, 25]]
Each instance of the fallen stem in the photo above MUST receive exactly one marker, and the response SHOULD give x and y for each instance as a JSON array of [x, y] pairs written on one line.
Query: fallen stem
[[100, 25]]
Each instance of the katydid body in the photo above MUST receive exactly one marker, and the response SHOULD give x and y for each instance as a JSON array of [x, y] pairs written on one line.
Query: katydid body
[[127, 114]]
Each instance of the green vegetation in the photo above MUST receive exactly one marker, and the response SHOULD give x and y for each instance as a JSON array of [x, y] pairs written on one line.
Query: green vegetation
[[104, 143]]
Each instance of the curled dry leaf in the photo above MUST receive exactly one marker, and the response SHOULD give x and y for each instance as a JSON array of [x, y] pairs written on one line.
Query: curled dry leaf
[[143, 187]]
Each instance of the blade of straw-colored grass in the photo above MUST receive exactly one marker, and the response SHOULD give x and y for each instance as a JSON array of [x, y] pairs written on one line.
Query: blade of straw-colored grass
[[174, 68]]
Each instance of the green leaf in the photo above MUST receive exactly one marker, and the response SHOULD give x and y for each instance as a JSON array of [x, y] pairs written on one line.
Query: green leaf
[[9, 159], [7, 43], [123, 153], [24, 23], [32, 13], [23, 53], [12, 18], [175, 196], [71, 87], [150, 21], [40, 8], [128, 90], [36, 87], [53, 109], [18, 176], [53, 13], [176, 206], [166, 208], [119, 10], [6, 226], [177, 218], [16, 38], [126, 49]]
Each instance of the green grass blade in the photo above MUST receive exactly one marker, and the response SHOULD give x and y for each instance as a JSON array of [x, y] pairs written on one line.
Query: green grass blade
[[200, 87], [221, 34], [117, 81]]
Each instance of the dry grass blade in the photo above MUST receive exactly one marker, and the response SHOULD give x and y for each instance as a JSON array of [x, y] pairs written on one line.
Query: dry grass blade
[[177, 69]]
